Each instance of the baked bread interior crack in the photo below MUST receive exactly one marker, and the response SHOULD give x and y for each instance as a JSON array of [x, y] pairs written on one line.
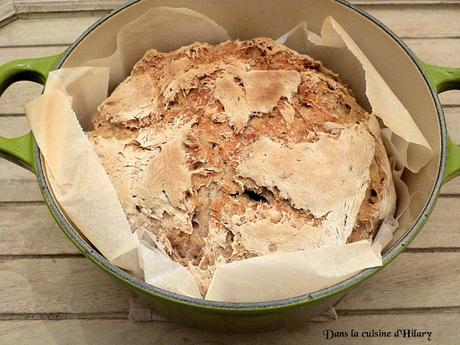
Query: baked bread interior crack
[[230, 151]]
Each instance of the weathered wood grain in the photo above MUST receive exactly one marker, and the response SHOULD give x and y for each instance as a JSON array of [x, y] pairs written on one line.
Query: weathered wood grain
[[47, 31], [441, 230], [117, 332], [74, 285], [7, 12], [437, 51], [453, 127], [29, 229], [13, 126], [27, 6], [439, 21], [13, 100], [453, 123], [412, 280], [17, 184], [66, 285], [13, 53], [396, 2], [443, 52]]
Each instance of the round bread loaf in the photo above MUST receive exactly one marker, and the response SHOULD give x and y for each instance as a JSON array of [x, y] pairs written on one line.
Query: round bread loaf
[[242, 149]]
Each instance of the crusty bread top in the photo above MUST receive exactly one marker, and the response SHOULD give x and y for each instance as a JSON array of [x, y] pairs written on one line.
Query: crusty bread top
[[242, 149]]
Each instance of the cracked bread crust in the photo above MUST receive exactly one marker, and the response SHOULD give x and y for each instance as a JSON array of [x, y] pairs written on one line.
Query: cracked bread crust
[[242, 149]]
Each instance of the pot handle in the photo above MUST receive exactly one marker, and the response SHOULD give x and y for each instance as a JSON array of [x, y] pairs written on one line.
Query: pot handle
[[20, 150], [445, 79]]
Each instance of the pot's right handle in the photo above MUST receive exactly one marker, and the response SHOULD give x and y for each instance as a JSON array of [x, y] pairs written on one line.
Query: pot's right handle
[[445, 79], [20, 150]]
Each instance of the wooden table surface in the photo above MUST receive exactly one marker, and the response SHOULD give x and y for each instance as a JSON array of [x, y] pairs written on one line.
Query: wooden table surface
[[51, 294]]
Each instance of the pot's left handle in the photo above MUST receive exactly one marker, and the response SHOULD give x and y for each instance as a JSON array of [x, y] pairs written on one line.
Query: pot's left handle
[[445, 79], [20, 150]]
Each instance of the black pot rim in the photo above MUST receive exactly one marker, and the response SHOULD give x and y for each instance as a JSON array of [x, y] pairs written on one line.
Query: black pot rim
[[229, 307]]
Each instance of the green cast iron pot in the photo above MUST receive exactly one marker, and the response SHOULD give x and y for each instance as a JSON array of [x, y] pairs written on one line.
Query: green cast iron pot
[[416, 84]]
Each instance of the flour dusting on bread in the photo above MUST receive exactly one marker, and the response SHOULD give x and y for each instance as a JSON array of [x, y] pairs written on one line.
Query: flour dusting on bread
[[242, 149]]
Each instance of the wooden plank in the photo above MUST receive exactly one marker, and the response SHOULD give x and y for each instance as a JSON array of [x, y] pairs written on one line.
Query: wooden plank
[[443, 52], [7, 12], [27, 6], [438, 16], [444, 328], [16, 183], [453, 123], [65, 285], [439, 21], [13, 100], [29, 229], [452, 187], [397, 2], [47, 31], [437, 51], [74, 285], [442, 230], [26, 229], [13, 126], [450, 97], [453, 126], [405, 19], [8, 54], [413, 280]]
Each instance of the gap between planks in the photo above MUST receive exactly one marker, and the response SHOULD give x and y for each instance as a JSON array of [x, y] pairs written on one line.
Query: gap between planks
[[65, 45], [399, 311], [21, 202], [48, 286], [439, 22], [65, 316], [9, 257], [34, 6], [158, 318], [21, 221], [28, 228], [57, 256]]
